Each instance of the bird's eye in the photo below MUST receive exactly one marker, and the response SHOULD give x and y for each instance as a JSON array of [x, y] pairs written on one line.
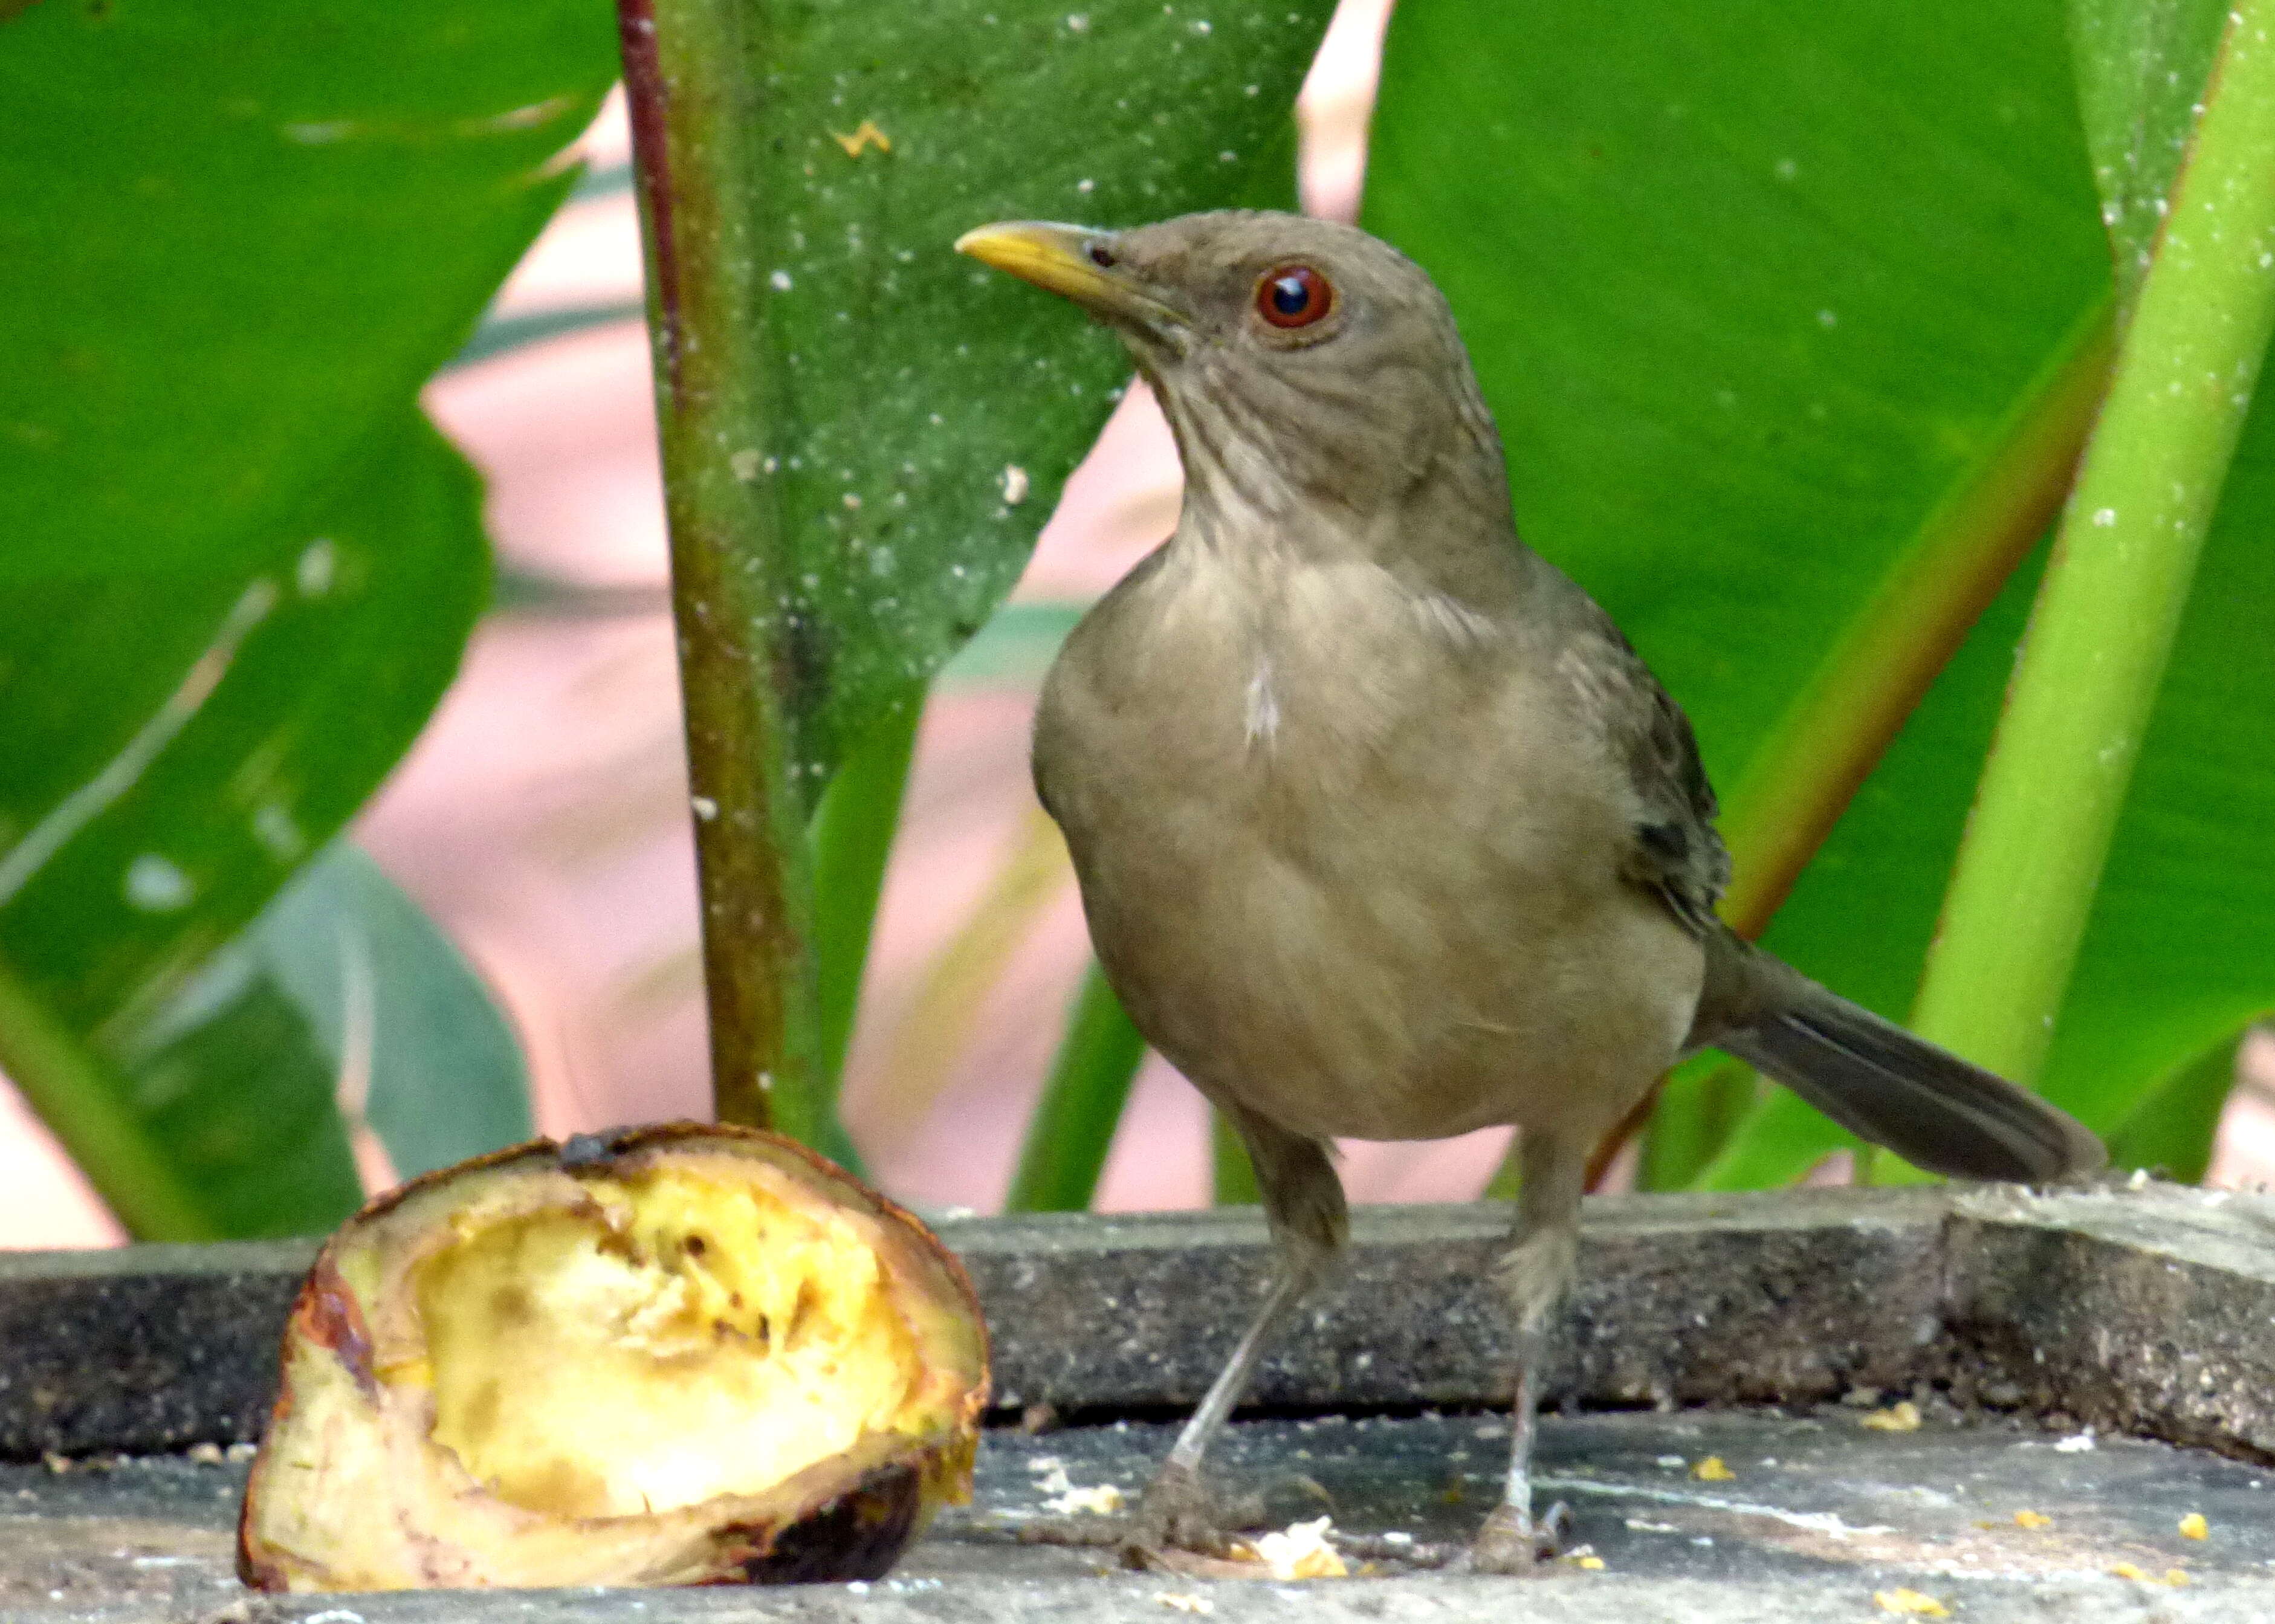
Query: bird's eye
[[1101, 256], [1293, 295]]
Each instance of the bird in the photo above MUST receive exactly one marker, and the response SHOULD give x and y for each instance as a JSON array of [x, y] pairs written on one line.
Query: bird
[[1382, 829]]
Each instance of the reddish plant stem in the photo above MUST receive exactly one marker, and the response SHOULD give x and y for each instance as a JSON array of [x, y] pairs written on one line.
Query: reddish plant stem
[[701, 185]]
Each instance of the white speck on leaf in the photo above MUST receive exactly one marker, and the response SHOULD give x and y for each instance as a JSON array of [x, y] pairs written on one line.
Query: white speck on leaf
[[157, 885], [745, 465], [1015, 485], [779, 281], [705, 807], [528, 117], [318, 566], [279, 836], [2103, 517]]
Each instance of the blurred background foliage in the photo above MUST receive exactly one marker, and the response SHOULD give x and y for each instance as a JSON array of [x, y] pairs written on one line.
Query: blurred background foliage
[[1795, 326]]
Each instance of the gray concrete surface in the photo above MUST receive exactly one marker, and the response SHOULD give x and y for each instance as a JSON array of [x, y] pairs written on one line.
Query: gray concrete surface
[[1819, 1514], [1727, 1325]]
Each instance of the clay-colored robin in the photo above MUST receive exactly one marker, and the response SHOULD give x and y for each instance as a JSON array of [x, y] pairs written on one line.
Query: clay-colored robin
[[1383, 829]]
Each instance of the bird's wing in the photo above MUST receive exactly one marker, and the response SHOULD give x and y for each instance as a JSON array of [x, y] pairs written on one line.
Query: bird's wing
[[1672, 849]]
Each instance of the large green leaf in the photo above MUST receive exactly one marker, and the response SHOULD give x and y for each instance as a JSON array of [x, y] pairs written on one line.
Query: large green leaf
[[177, 749], [236, 240], [240, 570], [920, 411], [1751, 300]]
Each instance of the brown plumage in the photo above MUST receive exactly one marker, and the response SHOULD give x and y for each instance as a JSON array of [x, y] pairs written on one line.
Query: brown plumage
[[1383, 829]]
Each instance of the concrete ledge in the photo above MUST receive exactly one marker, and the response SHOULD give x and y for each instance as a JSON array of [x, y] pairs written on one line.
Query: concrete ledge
[[2151, 1310]]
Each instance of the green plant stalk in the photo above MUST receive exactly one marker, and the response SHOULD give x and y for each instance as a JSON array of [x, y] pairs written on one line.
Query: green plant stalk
[[85, 1105], [701, 187], [1073, 1125], [2102, 625], [851, 838]]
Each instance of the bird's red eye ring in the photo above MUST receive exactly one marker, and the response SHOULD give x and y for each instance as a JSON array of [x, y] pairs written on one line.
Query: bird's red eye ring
[[1293, 295]]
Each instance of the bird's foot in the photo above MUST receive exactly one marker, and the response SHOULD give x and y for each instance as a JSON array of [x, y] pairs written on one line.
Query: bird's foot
[[1179, 1515], [1510, 1542]]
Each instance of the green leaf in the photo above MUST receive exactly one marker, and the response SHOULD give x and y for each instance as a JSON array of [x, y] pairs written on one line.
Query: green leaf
[[240, 568], [906, 385], [237, 241], [179, 748], [2140, 69], [1747, 298], [1751, 300], [2172, 1130], [390, 1005], [1703, 1101]]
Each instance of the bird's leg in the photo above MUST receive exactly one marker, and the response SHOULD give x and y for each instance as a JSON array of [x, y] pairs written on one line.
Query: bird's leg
[[1537, 1276], [1303, 1202]]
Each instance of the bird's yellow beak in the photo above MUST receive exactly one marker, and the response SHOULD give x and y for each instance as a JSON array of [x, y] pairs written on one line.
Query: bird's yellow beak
[[1073, 261]]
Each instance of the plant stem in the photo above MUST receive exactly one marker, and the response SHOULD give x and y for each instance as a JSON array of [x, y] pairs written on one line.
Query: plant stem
[[2103, 626], [85, 1105], [851, 837], [693, 99], [1073, 1125]]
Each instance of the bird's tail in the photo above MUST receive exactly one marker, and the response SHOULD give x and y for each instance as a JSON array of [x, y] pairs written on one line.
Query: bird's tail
[[1881, 1082]]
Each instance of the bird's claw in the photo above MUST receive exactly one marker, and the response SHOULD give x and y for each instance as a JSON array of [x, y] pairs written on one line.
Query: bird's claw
[[1178, 1513], [1510, 1542]]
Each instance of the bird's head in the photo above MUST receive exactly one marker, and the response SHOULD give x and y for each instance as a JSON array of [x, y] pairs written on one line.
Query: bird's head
[[1302, 364]]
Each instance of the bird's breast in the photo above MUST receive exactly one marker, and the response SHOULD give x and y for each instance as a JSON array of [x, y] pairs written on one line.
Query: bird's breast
[[1343, 853]]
